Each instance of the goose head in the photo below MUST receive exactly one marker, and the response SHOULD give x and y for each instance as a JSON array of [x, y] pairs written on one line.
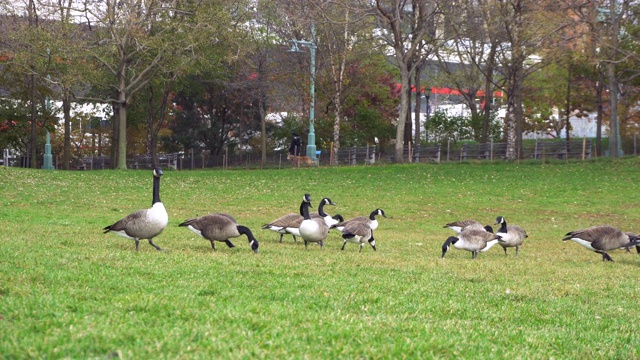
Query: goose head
[[307, 199], [157, 172], [488, 228], [254, 245], [500, 220], [327, 201], [447, 244], [381, 212]]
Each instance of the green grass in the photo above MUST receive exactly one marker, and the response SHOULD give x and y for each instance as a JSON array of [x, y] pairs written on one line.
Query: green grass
[[69, 291]]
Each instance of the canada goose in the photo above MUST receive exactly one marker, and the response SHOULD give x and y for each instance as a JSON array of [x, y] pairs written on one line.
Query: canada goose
[[457, 226], [510, 236], [280, 224], [359, 233], [290, 223], [371, 220], [312, 229], [293, 227], [220, 227], [144, 224], [602, 239], [472, 238]]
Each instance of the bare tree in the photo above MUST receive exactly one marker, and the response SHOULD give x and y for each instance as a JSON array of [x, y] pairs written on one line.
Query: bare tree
[[407, 27]]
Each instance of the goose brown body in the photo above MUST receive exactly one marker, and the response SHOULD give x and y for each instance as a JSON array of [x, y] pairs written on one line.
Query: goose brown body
[[601, 239], [359, 233], [220, 227], [510, 235]]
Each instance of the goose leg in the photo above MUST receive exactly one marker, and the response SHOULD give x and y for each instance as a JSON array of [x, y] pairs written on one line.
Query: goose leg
[[321, 243], [474, 254], [344, 244], [605, 256], [213, 245], [281, 238], [305, 244], [229, 244], [505, 249], [137, 243], [294, 238], [517, 249], [361, 245], [154, 245]]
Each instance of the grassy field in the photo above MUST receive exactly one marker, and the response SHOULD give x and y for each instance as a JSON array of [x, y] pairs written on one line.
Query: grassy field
[[69, 291]]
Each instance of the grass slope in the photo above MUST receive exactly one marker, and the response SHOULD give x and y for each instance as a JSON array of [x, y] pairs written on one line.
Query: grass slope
[[69, 291]]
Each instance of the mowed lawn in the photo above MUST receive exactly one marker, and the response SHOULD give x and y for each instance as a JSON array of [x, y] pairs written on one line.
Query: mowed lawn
[[69, 291]]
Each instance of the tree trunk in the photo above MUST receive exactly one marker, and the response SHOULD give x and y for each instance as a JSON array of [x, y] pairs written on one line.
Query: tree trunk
[[614, 124], [66, 109], [488, 91], [418, 106], [408, 133], [33, 142], [262, 109], [519, 115], [115, 132], [336, 126], [405, 82], [600, 112], [122, 129], [613, 110], [568, 110], [511, 128]]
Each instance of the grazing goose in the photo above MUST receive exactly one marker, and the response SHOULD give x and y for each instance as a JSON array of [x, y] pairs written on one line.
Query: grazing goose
[[511, 235], [457, 226], [472, 238], [220, 227], [280, 224], [359, 233], [144, 224], [371, 220], [312, 229], [602, 239]]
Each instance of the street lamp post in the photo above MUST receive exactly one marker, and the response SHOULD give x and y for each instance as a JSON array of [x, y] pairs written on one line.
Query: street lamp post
[[311, 141], [48, 158]]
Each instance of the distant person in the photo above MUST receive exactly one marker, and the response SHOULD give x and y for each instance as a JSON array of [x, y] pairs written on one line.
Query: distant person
[[294, 148]]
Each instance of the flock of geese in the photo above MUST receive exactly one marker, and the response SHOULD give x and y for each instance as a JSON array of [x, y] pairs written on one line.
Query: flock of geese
[[472, 236]]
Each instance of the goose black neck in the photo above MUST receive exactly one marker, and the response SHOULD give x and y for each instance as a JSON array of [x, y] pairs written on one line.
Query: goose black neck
[[304, 210], [243, 230], [450, 240], [503, 227], [321, 209], [373, 214], [156, 190]]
